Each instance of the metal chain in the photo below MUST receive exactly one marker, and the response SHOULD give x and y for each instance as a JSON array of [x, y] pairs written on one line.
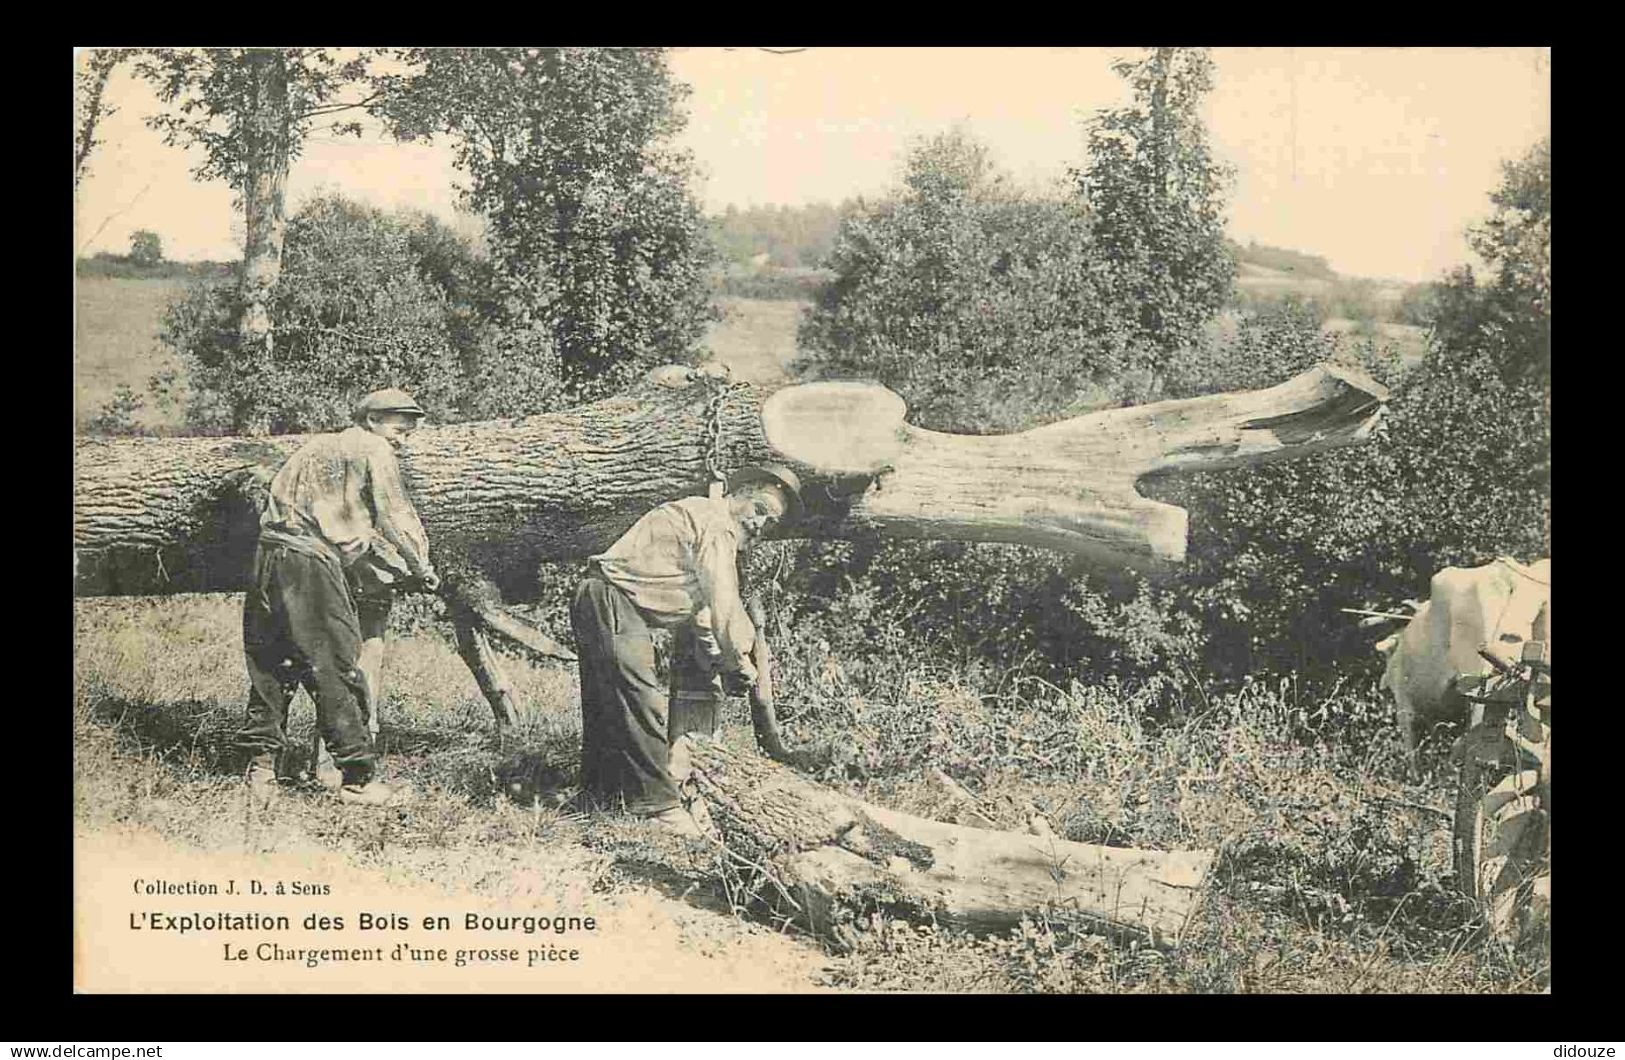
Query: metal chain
[[713, 428]]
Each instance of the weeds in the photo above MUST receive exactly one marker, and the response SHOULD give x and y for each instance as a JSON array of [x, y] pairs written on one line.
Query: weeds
[[1333, 874]]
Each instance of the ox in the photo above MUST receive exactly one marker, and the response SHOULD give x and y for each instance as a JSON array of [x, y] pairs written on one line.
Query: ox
[[1497, 606]]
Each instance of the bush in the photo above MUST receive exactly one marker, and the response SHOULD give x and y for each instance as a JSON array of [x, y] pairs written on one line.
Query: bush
[[981, 305], [117, 415], [590, 216], [1458, 473], [1418, 305], [366, 299]]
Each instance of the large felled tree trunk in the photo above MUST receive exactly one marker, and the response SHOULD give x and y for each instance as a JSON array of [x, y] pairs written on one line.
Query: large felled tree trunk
[[499, 497]]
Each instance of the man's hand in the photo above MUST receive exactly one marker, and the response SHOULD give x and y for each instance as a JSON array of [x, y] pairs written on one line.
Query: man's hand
[[742, 680]]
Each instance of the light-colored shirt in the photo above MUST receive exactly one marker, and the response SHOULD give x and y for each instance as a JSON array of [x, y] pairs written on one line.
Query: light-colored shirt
[[677, 564], [345, 490]]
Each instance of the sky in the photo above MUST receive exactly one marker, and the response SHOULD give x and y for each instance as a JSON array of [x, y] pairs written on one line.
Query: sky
[[1375, 158]]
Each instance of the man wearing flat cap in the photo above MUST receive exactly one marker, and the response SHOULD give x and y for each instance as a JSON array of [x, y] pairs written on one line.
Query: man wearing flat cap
[[338, 524], [675, 568]]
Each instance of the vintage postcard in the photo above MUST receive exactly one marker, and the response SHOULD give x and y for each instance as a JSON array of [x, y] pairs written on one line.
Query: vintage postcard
[[798, 519]]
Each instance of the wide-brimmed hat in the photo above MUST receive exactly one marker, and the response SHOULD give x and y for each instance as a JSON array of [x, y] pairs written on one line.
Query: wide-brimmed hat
[[389, 399], [773, 475]]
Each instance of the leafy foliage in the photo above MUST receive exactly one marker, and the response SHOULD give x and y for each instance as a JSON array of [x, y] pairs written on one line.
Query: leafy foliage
[[1418, 305], [597, 242], [146, 248], [790, 236], [248, 111], [989, 308], [367, 299], [1508, 319], [770, 284], [90, 105], [1156, 195], [1460, 475], [217, 101], [981, 305], [117, 414]]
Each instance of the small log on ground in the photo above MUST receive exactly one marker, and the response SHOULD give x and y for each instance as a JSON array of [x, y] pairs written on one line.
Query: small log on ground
[[826, 858]]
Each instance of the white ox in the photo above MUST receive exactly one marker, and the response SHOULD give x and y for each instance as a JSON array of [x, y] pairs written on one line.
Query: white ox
[[1499, 605]]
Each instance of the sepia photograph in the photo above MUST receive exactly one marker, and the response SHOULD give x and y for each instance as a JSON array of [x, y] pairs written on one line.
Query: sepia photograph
[[812, 520]]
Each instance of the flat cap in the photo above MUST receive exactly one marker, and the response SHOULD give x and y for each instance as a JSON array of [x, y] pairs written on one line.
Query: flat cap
[[772, 475], [390, 399]]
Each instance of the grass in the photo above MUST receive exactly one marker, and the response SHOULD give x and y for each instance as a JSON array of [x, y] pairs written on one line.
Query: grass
[[1334, 869], [1333, 873], [159, 688], [756, 338], [115, 342], [1408, 340]]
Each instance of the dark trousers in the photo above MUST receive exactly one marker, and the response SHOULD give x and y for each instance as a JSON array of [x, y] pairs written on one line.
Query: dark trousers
[[624, 754], [300, 628]]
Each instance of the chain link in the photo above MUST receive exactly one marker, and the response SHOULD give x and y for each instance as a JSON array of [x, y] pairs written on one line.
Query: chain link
[[713, 427]]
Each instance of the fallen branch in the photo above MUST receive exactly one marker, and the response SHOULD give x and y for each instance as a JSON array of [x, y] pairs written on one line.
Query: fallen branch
[[841, 858]]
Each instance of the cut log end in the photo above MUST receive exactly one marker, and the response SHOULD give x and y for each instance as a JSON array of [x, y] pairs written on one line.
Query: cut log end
[[178, 514]]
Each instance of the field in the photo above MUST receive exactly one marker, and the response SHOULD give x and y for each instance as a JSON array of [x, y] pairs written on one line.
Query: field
[[1333, 874], [117, 320], [115, 341], [755, 338]]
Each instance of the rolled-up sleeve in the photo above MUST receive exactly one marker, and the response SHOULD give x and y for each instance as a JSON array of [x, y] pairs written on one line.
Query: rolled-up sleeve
[[724, 619], [396, 521]]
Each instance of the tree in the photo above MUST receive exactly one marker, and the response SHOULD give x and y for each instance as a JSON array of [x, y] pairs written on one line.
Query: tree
[[249, 110], [978, 303], [146, 248], [89, 105], [1460, 475], [597, 240], [1507, 319], [1156, 196], [366, 299]]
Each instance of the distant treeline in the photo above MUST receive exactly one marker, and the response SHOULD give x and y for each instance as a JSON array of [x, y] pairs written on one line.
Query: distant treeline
[[790, 236], [781, 251], [123, 267], [768, 283], [1282, 260], [796, 240], [802, 236]]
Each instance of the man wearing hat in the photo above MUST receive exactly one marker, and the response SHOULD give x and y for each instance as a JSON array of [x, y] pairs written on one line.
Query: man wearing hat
[[675, 568], [337, 508]]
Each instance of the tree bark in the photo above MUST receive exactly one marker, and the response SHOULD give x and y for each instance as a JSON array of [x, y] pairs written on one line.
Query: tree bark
[[823, 859], [267, 156], [90, 87], [155, 516]]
